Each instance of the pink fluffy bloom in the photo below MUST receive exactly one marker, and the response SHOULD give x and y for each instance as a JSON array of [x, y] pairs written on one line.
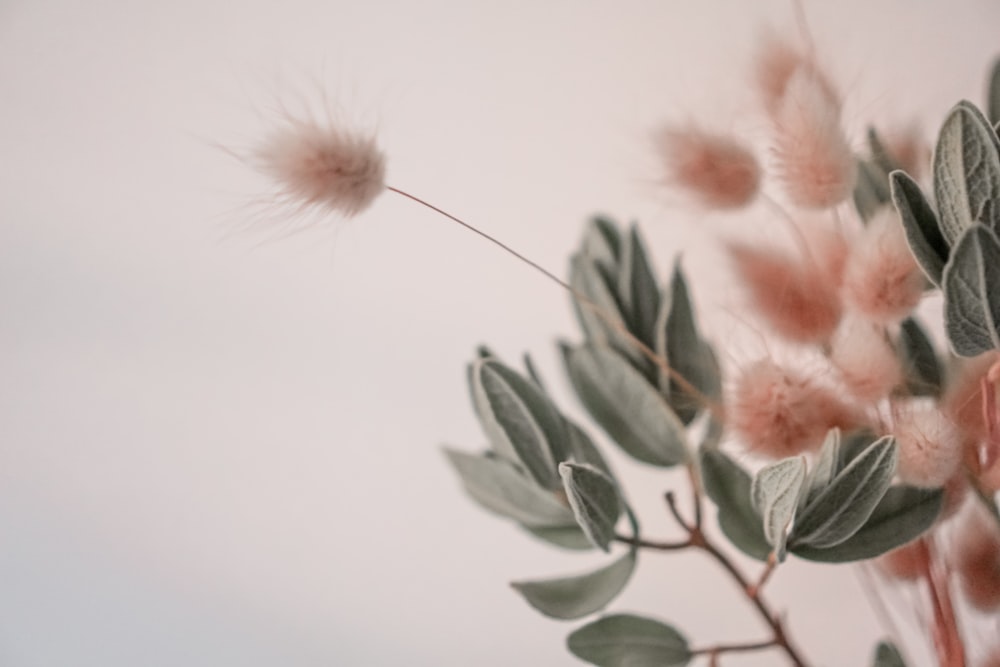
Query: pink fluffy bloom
[[813, 158], [779, 413], [881, 278], [775, 63], [323, 167], [798, 299], [930, 447], [865, 360], [719, 171], [977, 559]]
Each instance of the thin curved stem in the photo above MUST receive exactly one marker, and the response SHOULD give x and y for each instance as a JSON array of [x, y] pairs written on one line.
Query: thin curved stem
[[584, 300], [718, 649]]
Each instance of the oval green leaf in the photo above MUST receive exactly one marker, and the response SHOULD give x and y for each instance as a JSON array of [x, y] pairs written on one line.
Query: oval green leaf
[[972, 293], [728, 485], [920, 224], [624, 640], [775, 491], [630, 409], [847, 502], [577, 596], [501, 488], [594, 499]]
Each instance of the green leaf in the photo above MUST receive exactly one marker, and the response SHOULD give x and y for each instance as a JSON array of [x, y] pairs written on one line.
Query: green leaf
[[966, 171], [573, 597], [924, 376], [729, 487], [589, 279], [624, 640], [900, 517], [843, 507], [678, 341], [519, 419], [826, 468], [923, 232], [639, 295], [564, 537], [500, 487], [583, 450], [630, 409], [594, 499], [886, 655], [602, 242], [993, 93], [972, 293], [775, 493]]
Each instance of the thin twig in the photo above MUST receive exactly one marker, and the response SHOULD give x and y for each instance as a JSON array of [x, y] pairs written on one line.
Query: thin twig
[[718, 649], [661, 363]]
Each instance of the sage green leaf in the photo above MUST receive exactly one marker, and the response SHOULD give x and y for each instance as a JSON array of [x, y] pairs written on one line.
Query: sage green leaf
[[583, 450], [729, 487], [966, 171], [602, 242], [826, 468], [577, 596], [843, 507], [678, 341], [972, 293], [590, 280], [564, 537], [920, 224], [924, 376], [902, 515], [594, 499], [624, 640], [501, 488], [520, 419], [630, 409], [993, 94], [532, 370], [640, 297], [775, 492], [886, 655], [871, 189]]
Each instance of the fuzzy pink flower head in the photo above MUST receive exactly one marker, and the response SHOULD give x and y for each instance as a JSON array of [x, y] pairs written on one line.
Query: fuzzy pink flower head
[[813, 159], [930, 447], [799, 300], [866, 361], [323, 167], [775, 63], [977, 559], [719, 171], [779, 413], [882, 279]]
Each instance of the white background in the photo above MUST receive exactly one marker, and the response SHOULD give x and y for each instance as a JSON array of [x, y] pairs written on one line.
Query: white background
[[223, 448]]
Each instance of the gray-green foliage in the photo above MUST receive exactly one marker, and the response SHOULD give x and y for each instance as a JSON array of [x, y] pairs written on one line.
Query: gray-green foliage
[[846, 508], [576, 596], [886, 655], [594, 499], [624, 640]]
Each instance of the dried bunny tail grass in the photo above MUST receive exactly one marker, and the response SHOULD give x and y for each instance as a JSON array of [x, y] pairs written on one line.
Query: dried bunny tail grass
[[778, 413], [719, 171], [322, 167], [991, 659], [881, 279], [930, 447], [865, 360], [812, 156], [775, 62], [797, 299], [976, 558]]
